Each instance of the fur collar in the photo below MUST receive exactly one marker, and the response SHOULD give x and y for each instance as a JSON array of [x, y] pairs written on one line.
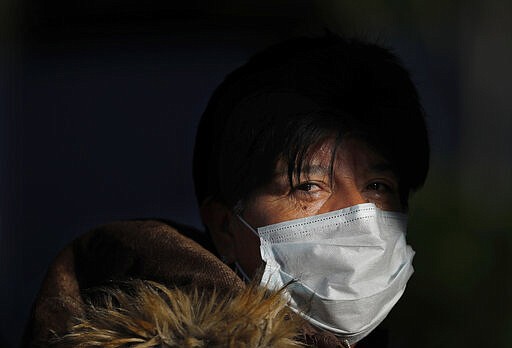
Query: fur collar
[[147, 314]]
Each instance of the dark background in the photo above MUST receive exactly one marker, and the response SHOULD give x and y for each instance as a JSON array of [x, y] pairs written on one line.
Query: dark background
[[100, 99]]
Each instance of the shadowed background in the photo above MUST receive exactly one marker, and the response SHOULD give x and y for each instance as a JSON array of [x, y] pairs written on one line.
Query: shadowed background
[[99, 103]]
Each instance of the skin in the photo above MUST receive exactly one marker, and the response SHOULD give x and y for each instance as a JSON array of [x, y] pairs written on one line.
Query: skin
[[360, 175]]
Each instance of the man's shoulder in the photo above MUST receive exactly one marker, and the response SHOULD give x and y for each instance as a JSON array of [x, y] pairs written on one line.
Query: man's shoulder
[[167, 225], [155, 249], [140, 233], [147, 249]]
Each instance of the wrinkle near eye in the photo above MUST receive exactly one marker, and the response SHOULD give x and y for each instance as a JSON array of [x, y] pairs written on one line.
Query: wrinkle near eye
[[346, 183], [386, 200], [309, 202]]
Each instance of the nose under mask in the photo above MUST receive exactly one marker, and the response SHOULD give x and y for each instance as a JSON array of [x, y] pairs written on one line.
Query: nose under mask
[[342, 271]]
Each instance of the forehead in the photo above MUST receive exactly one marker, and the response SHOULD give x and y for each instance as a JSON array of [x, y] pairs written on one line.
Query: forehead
[[329, 156]]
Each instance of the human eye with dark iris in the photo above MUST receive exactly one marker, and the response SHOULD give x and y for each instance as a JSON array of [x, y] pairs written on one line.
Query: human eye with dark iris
[[379, 187], [383, 193], [306, 187], [307, 190]]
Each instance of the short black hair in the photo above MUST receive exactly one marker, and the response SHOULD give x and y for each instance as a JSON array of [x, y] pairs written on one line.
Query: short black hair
[[292, 95]]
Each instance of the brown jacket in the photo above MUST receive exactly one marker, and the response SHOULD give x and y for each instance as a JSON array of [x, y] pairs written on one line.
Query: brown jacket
[[146, 249]]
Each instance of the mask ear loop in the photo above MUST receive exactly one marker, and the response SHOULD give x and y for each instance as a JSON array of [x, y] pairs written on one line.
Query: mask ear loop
[[344, 341], [242, 220], [239, 268]]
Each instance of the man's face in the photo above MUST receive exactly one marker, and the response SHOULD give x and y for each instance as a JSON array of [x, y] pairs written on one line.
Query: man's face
[[359, 176]]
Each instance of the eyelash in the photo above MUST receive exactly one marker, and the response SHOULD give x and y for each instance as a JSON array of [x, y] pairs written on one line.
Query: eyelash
[[374, 186], [306, 187], [306, 191], [385, 187]]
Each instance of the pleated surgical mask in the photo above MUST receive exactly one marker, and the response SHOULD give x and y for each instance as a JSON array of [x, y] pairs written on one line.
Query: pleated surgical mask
[[346, 269]]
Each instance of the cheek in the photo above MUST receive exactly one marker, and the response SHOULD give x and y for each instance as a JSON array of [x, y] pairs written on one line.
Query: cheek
[[384, 200], [247, 249], [270, 210], [312, 208]]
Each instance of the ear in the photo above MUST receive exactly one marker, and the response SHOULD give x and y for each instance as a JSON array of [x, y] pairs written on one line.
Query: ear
[[216, 216]]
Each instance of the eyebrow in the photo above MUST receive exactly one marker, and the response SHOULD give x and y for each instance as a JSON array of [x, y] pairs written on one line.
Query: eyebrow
[[381, 166], [310, 169], [317, 169]]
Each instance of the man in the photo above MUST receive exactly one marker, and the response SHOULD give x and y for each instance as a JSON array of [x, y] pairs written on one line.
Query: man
[[304, 161], [308, 127]]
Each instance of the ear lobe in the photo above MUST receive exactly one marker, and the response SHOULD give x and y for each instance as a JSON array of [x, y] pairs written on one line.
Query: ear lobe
[[216, 217]]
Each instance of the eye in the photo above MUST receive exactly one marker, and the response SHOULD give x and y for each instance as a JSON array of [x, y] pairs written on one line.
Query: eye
[[307, 191], [378, 186], [307, 187], [384, 194]]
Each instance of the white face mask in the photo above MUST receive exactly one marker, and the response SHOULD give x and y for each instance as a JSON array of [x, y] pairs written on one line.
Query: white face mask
[[349, 267]]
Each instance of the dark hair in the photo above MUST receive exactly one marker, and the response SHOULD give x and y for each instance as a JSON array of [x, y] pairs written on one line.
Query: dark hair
[[292, 95]]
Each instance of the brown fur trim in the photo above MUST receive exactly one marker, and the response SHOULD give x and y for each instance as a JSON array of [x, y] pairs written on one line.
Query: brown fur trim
[[150, 315]]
